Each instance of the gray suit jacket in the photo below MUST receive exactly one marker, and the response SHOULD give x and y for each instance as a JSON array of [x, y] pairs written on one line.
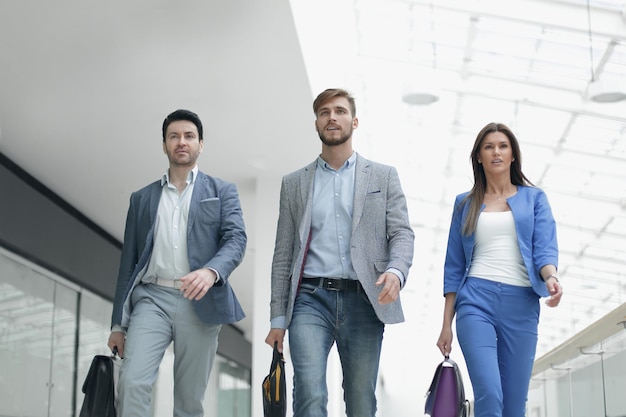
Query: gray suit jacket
[[216, 239], [382, 237]]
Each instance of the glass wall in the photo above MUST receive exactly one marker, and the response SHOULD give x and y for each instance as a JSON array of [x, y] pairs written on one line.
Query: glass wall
[[591, 384], [233, 384], [37, 343], [50, 330]]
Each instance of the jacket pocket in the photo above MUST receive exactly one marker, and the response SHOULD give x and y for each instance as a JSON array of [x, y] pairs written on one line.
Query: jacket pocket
[[381, 266], [209, 210]]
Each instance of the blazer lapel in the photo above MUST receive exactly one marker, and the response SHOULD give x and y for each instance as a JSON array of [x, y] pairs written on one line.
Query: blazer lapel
[[153, 207], [306, 183], [196, 196], [362, 176], [306, 195]]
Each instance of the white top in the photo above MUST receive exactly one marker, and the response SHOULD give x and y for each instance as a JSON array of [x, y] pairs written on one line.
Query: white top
[[496, 252]]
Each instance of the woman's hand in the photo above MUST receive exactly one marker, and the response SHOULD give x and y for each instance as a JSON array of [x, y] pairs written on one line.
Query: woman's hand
[[445, 340], [556, 291]]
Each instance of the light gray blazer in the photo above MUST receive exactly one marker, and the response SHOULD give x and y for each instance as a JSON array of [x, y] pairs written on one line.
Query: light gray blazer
[[382, 237]]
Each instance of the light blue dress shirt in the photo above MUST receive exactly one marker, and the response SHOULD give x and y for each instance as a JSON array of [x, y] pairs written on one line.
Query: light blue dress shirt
[[331, 222]]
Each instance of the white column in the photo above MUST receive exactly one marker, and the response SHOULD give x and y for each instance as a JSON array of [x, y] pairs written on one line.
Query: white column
[[267, 192]]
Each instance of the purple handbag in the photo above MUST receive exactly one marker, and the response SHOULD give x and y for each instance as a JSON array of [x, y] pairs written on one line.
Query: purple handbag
[[446, 395]]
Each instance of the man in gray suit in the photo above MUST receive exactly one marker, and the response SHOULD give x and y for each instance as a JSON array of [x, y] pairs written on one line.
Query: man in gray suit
[[184, 236], [343, 251]]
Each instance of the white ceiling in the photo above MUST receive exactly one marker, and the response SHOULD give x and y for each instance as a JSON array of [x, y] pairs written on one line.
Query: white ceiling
[[85, 86]]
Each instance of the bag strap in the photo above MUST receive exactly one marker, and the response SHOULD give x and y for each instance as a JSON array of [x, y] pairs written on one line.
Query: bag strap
[[277, 357], [436, 378], [459, 379], [277, 369]]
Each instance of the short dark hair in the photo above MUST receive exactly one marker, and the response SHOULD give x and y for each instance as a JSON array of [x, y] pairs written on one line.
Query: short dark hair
[[330, 93], [182, 114]]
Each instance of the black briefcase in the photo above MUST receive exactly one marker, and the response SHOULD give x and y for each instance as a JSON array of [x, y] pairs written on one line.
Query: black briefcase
[[274, 388], [100, 387]]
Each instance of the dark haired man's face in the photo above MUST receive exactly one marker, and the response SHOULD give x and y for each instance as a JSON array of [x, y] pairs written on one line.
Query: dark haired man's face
[[182, 144], [334, 123]]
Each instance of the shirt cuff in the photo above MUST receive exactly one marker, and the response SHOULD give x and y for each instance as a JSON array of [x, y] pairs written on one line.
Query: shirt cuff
[[217, 274], [117, 328], [279, 322], [399, 274]]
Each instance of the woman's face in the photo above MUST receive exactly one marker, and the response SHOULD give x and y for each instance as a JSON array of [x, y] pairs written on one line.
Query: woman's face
[[495, 153]]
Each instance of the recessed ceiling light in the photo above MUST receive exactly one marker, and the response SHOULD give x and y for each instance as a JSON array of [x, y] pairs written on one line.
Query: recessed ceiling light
[[423, 98]]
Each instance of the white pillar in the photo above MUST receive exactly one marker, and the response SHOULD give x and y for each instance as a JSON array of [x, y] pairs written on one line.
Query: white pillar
[[267, 193]]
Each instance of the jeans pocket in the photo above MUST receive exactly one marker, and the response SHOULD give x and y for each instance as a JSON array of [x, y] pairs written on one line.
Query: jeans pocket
[[308, 288]]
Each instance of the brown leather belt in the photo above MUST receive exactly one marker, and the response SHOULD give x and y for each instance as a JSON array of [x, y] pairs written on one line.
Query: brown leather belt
[[335, 284]]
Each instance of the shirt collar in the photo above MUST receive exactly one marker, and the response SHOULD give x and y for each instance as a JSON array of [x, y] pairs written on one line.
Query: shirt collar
[[191, 177], [348, 164]]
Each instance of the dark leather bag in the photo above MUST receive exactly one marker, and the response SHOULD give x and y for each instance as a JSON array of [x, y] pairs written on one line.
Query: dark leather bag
[[100, 387], [274, 388], [446, 395]]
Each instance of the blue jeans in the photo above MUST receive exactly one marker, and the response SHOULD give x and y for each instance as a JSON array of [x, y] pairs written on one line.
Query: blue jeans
[[496, 327], [321, 318]]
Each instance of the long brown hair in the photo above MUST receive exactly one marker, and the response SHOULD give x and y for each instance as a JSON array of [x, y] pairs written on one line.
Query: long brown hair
[[475, 197]]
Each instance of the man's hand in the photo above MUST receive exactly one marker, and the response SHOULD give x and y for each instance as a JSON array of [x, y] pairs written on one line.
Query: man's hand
[[276, 335], [197, 283], [116, 341], [391, 287]]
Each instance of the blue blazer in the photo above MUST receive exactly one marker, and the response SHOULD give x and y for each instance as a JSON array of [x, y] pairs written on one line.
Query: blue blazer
[[536, 237], [216, 238]]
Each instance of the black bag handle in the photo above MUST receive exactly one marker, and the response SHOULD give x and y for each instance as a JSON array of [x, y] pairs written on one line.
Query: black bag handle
[[278, 370], [276, 358]]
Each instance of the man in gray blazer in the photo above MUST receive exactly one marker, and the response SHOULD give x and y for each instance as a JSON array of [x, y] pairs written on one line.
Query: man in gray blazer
[[343, 251], [184, 236]]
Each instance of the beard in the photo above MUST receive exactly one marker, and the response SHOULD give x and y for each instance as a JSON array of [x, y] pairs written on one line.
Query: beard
[[335, 142], [183, 161]]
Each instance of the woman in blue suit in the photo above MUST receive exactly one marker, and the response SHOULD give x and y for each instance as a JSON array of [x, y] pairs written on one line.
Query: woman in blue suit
[[502, 256]]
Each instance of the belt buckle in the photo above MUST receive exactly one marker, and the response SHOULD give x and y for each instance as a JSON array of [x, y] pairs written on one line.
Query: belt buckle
[[333, 285], [177, 284]]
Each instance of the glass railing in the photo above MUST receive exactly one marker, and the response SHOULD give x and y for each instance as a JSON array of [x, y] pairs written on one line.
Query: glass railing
[[584, 376]]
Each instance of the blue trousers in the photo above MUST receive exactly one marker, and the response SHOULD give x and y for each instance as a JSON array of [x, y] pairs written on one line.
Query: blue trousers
[[321, 318], [161, 316], [496, 327]]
